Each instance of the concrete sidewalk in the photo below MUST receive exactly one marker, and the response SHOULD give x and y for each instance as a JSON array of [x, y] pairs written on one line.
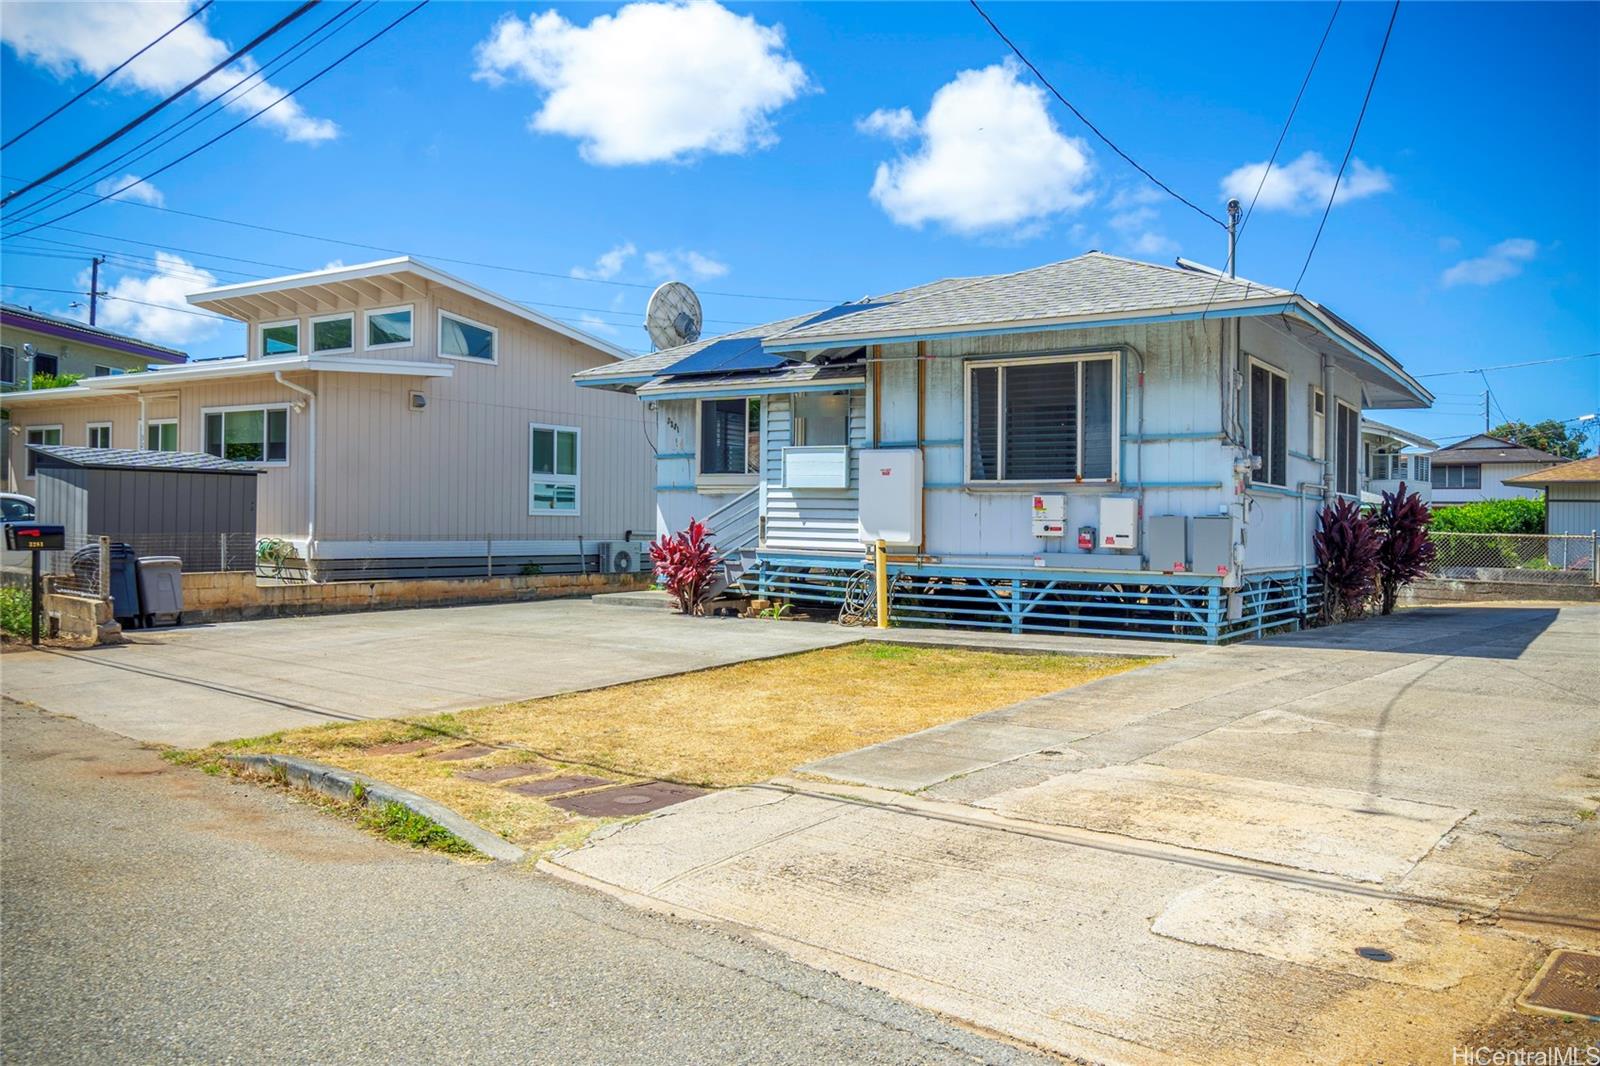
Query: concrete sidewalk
[[1178, 864]]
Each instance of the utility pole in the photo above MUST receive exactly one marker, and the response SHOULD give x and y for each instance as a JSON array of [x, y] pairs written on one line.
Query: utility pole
[[1485, 410], [1233, 238], [94, 286]]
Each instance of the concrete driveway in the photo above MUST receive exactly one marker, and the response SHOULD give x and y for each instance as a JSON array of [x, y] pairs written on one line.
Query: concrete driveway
[[195, 685], [1179, 864]]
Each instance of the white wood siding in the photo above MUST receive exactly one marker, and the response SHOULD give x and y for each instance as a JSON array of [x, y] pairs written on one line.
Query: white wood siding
[[809, 519]]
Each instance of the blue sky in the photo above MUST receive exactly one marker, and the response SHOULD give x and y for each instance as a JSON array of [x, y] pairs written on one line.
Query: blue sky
[[826, 151]]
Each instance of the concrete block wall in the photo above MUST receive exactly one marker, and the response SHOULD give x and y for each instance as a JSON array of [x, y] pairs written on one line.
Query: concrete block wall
[[227, 597]]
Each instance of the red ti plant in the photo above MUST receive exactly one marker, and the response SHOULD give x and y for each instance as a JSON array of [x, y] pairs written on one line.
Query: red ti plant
[[687, 564], [1347, 558], [1406, 552]]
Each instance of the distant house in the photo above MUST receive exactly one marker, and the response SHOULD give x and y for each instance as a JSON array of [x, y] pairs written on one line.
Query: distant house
[[1479, 467], [401, 416], [1392, 457], [1572, 496], [33, 342], [1099, 445]]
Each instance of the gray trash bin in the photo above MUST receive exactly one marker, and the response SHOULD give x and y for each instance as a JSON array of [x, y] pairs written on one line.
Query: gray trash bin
[[161, 587]]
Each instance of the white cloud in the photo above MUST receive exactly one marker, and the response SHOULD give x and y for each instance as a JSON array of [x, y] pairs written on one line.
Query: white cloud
[[987, 156], [89, 39], [653, 83], [682, 262], [609, 265], [1136, 227], [592, 324], [1304, 184], [161, 314], [897, 124], [144, 192], [1504, 260]]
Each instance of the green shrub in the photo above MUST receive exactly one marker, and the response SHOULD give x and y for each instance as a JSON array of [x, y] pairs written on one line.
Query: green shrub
[[16, 606], [1490, 516], [56, 381]]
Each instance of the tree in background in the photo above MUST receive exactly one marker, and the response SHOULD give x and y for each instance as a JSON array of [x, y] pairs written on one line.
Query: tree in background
[[1551, 436], [1404, 551]]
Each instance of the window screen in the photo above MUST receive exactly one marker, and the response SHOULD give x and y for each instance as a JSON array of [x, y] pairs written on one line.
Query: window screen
[[1042, 421]]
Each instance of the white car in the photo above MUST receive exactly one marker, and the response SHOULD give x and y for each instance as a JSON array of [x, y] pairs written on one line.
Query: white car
[[15, 507]]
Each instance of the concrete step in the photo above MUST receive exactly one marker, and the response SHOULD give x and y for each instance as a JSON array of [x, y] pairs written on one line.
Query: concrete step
[[647, 599]]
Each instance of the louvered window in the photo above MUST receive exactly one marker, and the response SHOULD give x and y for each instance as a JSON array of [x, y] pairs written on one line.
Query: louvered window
[[1042, 419]]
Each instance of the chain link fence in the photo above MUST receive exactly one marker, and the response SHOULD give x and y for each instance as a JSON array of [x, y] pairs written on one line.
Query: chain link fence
[[76, 569], [1519, 558]]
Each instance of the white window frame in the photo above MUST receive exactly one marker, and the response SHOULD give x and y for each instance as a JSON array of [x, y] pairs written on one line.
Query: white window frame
[[729, 481], [1000, 409], [1259, 477], [261, 339], [574, 479], [311, 333], [494, 334], [1355, 434], [288, 427], [177, 435], [27, 462], [88, 434], [366, 330], [1319, 424]]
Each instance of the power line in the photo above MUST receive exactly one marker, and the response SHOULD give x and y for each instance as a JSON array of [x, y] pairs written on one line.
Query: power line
[[201, 114], [124, 299], [129, 126], [1509, 366], [108, 75], [397, 251], [236, 126], [1351, 147], [1085, 120]]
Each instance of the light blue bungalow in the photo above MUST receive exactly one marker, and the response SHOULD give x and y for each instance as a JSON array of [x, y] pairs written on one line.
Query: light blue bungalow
[[1098, 446]]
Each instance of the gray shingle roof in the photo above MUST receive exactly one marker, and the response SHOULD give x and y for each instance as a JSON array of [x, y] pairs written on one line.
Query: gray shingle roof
[[129, 459], [1486, 449], [1090, 284]]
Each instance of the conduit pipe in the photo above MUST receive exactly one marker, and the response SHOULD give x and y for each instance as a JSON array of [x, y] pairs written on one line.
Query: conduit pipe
[[311, 461]]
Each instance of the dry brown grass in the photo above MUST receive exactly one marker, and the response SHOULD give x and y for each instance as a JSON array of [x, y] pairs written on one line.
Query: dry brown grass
[[726, 726]]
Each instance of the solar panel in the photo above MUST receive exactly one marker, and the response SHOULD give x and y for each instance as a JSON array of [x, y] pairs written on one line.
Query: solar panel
[[836, 312], [730, 353]]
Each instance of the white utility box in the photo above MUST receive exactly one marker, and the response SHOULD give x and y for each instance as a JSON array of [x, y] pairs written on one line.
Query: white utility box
[[891, 496], [1119, 522], [1050, 515], [823, 467]]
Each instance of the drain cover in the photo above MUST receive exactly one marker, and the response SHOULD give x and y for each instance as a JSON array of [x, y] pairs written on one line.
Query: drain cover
[[405, 747], [496, 774], [628, 799], [471, 751], [552, 786], [1567, 985], [1375, 954]]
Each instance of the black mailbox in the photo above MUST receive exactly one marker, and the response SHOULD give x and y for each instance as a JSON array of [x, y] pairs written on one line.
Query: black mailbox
[[33, 537]]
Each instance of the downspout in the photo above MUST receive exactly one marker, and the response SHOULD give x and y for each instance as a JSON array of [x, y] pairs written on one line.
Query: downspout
[[922, 407], [311, 462], [142, 440]]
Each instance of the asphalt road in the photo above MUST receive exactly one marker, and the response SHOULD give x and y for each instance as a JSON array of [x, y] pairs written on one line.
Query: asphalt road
[[154, 914]]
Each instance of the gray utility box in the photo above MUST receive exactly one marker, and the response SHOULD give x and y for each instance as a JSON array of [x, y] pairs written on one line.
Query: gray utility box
[[1213, 545], [1169, 543], [161, 587]]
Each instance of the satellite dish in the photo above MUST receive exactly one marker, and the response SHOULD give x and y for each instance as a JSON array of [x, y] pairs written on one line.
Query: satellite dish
[[673, 316]]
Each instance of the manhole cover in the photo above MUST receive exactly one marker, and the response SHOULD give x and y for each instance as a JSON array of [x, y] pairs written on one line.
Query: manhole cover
[[1567, 985], [405, 747], [552, 786], [496, 774], [628, 799], [471, 751]]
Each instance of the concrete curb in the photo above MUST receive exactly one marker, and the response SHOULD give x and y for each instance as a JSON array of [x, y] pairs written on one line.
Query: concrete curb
[[340, 785]]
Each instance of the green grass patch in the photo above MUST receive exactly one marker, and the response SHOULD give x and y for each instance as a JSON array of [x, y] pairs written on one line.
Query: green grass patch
[[404, 825], [16, 607]]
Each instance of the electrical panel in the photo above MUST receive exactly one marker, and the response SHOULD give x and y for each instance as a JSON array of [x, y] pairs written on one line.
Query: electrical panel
[[1119, 522], [1213, 545], [891, 496], [1049, 515], [1169, 543]]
